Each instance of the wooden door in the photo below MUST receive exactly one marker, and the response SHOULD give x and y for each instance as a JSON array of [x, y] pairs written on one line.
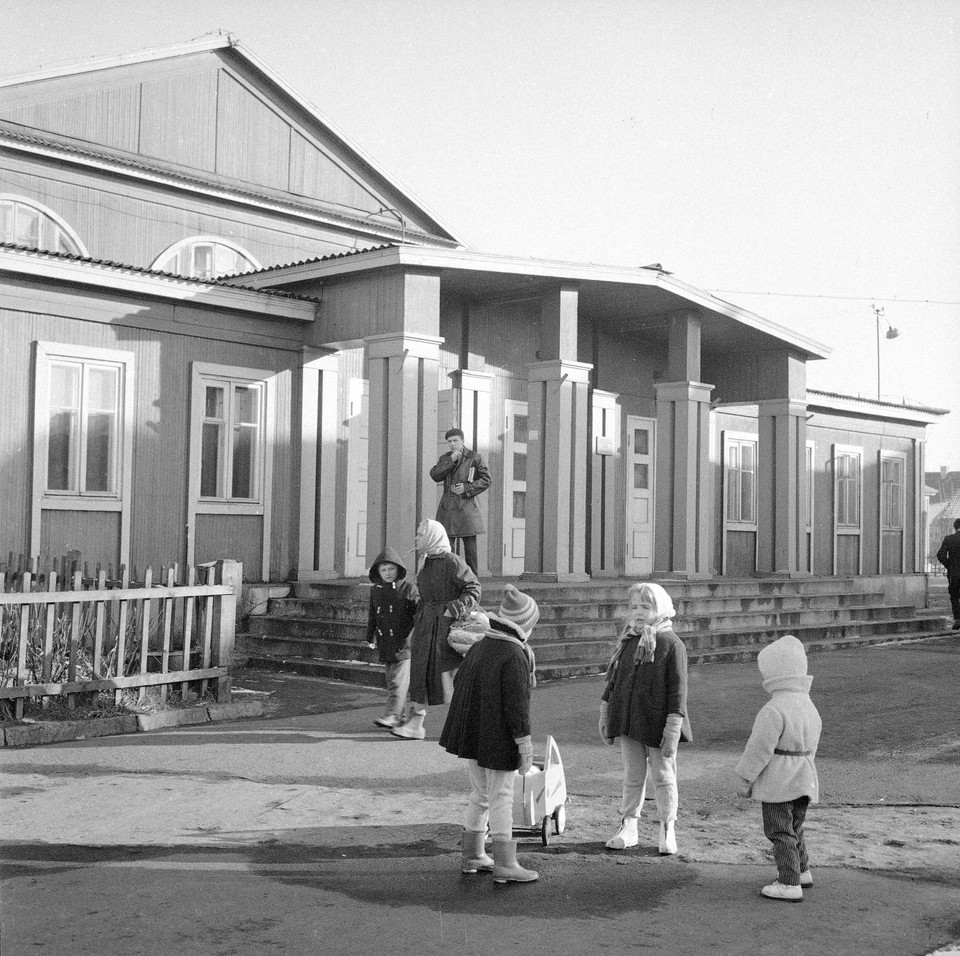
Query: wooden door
[[640, 494], [514, 486]]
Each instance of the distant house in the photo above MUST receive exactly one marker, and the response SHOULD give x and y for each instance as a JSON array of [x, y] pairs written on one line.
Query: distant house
[[229, 333], [943, 508]]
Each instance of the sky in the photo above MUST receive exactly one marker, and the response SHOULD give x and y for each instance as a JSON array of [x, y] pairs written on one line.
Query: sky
[[798, 158]]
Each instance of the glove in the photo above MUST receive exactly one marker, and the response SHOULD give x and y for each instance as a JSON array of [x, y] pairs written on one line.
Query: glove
[[525, 746], [671, 735], [744, 788], [602, 726]]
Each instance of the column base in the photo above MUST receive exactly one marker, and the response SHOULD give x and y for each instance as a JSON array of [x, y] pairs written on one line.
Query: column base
[[553, 577], [786, 575]]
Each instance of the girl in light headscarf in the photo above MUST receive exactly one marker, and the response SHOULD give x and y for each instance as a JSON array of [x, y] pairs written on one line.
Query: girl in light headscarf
[[644, 706], [447, 588]]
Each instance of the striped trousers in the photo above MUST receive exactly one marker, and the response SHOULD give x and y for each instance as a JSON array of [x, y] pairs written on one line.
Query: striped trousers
[[783, 827]]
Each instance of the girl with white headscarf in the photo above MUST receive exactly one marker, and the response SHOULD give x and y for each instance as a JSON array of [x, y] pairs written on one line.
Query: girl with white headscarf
[[644, 707], [447, 588]]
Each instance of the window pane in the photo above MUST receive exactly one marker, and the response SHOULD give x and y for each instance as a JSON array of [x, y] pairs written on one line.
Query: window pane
[[63, 447], [102, 389], [519, 504], [246, 402], [520, 423], [244, 461], [641, 475], [226, 261], [202, 261], [213, 405], [519, 466], [211, 460], [747, 497], [641, 441], [27, 227], [6, 221], [100, 451], [62, 451]]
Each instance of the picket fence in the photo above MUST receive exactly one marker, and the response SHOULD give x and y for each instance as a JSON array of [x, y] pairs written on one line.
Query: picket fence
[[67, 632]]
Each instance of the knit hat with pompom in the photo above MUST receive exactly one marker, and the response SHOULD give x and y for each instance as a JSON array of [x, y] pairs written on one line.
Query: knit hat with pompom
[[519, 608]]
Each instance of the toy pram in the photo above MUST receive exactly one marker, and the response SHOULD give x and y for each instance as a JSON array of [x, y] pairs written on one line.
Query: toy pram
[[540, 795]]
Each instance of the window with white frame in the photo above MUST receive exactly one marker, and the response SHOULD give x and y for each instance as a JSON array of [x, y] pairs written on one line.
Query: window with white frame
[[847, 477], [82, 419], [740, 466], [891, 493], [205, 257], [24, 222], [230, 436]]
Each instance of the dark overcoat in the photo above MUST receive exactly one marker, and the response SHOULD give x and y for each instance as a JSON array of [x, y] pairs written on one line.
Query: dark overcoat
[[641, 696], [491, 703], [459, 514], [949, 555], [391, 610], [445, 583]]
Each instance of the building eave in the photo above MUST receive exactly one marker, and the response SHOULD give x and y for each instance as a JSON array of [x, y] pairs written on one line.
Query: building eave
[[469, 260], [51, 267], [873, 408]]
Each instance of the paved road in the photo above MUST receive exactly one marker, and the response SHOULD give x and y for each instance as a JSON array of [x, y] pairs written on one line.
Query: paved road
[[313, 832]]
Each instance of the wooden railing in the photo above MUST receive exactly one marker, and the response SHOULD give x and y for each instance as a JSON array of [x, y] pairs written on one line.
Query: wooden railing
[[111, 634]]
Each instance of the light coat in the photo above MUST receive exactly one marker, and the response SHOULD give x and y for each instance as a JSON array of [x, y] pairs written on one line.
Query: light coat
[[788, 721]]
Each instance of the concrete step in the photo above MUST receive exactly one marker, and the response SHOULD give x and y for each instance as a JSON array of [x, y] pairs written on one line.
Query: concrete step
[[581, 662], [600, 590], [588, 622]]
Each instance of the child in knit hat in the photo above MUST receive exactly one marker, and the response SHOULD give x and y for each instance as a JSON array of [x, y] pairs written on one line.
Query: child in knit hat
[[488, 725], [777, 767], [644, 706]]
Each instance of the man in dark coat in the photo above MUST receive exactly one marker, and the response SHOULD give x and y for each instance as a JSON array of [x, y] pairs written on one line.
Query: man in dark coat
[[949, 557], [464, 476]]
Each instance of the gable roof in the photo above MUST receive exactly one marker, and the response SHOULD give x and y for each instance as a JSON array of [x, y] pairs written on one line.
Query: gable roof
[[212, 106]]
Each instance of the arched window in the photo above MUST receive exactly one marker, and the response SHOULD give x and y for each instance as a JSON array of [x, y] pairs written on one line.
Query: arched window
[[205, 257], [24, 222]]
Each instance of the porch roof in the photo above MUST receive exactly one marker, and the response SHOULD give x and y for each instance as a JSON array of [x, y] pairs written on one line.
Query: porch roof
[[616, 298]]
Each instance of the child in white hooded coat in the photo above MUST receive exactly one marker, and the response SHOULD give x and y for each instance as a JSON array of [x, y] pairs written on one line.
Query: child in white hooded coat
[[777, 767]]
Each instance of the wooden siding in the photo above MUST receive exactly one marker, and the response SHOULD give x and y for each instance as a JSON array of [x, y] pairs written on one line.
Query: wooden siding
[[107, 116], [133, 224], [237, 538], [161, 428], [316, 175], [95, 534], [178, 119], [253, 141], [741, 554]]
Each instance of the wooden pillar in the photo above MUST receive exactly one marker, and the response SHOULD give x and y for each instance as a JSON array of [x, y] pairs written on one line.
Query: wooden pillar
[[684, 495], [604, 459], [781, 488], [318, 467], [557, 471], [471, 393], [404, 374]]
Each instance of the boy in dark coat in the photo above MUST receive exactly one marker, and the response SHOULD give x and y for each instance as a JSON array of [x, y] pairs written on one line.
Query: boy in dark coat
[[393, 604], [488, 725]]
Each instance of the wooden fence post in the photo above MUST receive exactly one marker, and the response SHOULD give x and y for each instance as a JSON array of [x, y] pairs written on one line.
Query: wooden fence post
[[225, 624]]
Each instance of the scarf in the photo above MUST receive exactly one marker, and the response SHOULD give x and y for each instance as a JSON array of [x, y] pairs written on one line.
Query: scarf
[[646, 646], [433, 541]]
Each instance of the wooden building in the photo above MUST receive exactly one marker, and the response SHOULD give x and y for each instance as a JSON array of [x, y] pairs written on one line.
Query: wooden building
[[228, 333]]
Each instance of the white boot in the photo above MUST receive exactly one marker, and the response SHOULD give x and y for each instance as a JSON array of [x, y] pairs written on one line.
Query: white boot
[[668, 839], [626, 836], [413, 728], [506, 869], [780, 891], [806, 880], [472, 857]]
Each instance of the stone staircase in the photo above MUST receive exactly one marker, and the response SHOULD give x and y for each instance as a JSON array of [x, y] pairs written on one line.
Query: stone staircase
[[320, 629]]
